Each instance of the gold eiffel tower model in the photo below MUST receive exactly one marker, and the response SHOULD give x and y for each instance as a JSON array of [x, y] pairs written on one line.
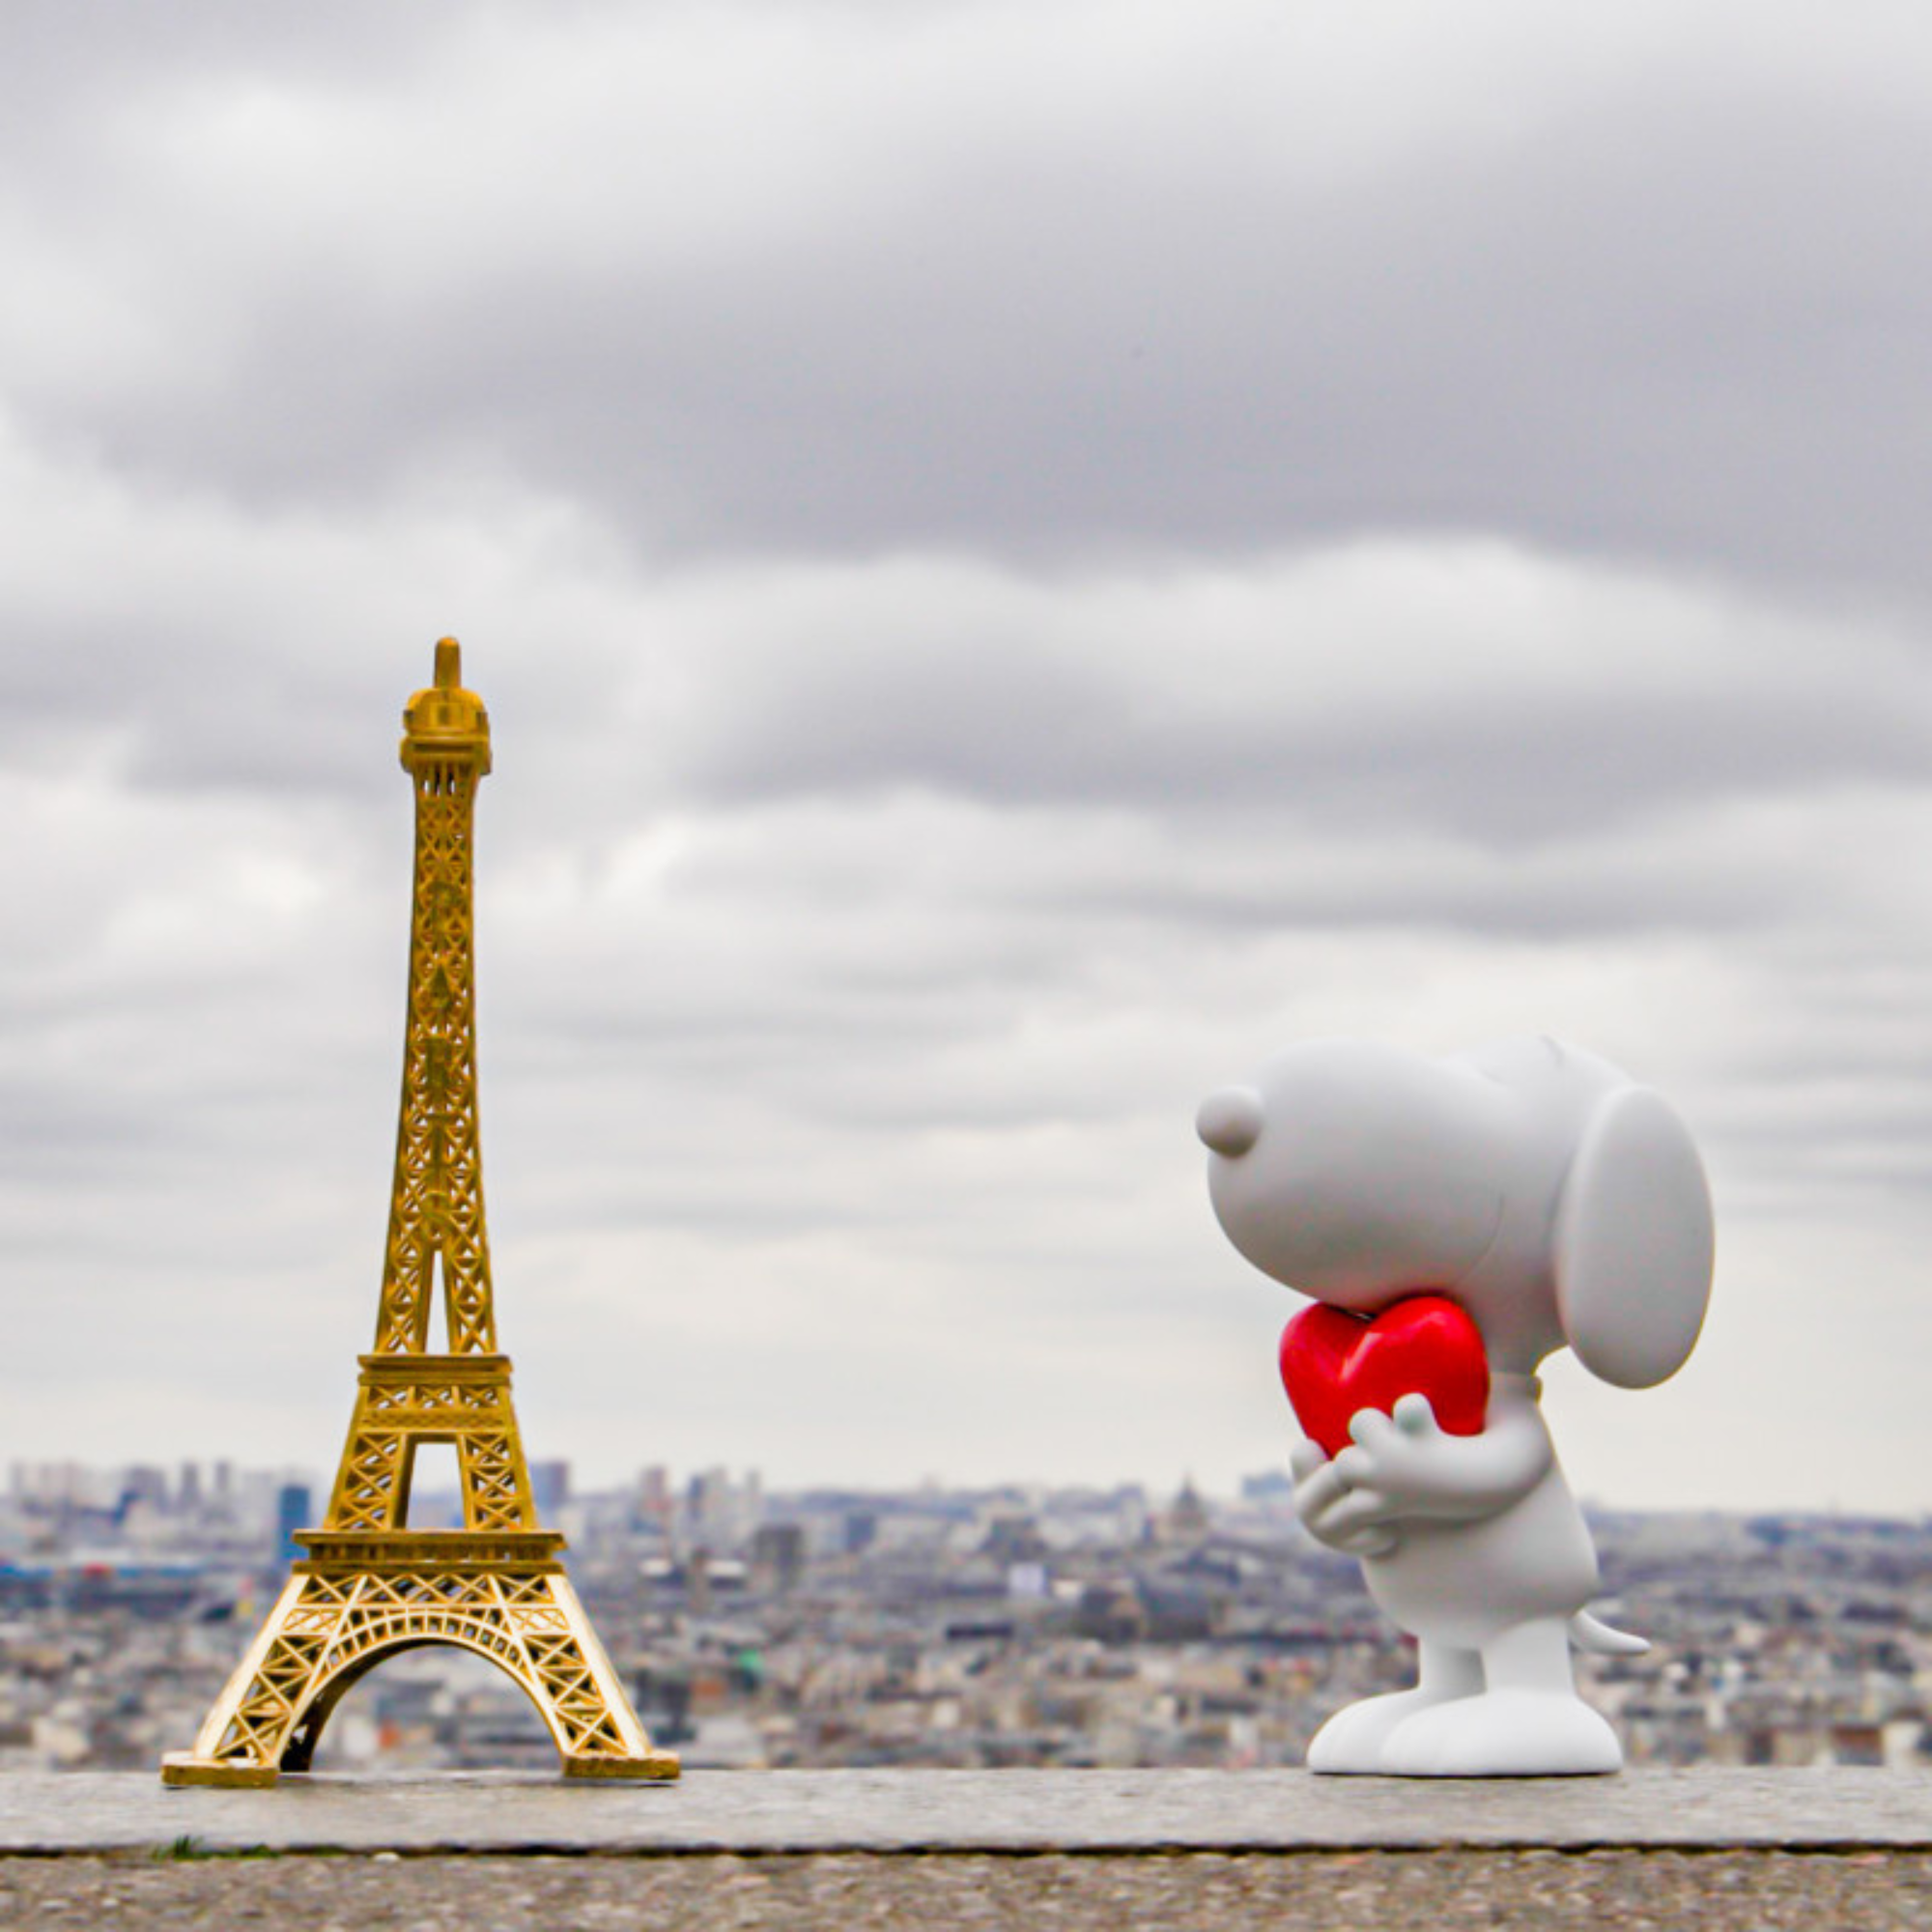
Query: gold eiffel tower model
[[369, 1587]]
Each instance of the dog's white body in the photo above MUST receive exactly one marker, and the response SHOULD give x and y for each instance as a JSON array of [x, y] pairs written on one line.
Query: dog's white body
[[1558, 1204]]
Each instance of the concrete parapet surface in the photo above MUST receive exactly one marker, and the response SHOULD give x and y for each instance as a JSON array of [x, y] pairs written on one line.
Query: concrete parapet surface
[[960, 1892], [754, 1814]]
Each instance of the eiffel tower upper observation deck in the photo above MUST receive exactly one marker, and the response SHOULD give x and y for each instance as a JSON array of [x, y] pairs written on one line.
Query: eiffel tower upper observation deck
[[369, 1585]]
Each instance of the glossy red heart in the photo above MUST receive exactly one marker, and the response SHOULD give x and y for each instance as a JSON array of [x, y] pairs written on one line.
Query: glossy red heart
[[1334, 1364]]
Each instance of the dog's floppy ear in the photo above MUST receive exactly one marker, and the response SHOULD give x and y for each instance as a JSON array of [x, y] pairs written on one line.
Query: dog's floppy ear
[[1633, 1242]]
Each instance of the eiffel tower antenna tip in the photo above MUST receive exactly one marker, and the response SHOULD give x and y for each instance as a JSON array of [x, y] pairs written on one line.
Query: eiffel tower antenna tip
[[444, 721]]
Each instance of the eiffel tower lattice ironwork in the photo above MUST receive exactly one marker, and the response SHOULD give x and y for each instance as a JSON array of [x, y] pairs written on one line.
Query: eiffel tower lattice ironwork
[[369, 1587]]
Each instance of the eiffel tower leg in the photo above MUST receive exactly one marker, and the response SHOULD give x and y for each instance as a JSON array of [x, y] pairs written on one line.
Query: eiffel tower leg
[[246, 1738], [573, 1683]]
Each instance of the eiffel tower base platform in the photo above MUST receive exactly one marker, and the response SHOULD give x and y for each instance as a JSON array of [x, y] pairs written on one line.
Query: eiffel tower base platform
[[360, 1598]]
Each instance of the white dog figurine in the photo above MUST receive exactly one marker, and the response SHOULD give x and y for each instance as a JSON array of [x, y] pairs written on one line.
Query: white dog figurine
[[1555, 1202]]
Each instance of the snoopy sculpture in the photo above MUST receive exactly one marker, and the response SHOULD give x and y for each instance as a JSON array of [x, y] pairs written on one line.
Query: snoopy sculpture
[[1457, 1220]]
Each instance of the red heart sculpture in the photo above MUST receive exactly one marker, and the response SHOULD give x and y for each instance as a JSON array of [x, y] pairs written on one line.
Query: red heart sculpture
[[1334, 1364]]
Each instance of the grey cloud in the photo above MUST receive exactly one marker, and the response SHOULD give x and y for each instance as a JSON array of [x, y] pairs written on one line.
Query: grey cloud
[[63, 65], [1503, 698], [887, 486], [1676, 316], [1520, 775]]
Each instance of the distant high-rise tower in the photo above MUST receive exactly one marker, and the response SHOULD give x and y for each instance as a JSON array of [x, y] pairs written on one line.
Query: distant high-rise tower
[[370, 1585], [293, 1504]]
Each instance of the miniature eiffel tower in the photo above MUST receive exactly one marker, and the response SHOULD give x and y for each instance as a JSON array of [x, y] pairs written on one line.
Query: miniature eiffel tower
[[370, 1586]]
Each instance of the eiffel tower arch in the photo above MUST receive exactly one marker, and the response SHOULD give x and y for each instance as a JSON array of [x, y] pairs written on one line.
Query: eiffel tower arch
[[367, 1586]]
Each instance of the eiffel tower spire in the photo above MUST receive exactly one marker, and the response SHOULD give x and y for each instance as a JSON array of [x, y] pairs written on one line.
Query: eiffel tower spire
[[368, 1584], [436, 1210]]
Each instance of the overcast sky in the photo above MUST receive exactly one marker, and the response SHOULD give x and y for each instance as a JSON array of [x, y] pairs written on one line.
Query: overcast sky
[[1022, 554]]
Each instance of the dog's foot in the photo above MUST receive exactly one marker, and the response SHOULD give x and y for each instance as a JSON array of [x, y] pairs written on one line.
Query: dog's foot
[[1503, 1734], [1350, 1743]]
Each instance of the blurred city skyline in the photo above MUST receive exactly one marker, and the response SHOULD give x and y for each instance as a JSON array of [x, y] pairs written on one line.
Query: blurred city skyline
[[993, 1627], [1020, 559]]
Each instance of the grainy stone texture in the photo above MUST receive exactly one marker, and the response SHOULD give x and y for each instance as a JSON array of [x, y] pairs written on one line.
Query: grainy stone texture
[[981, 1811], [1712, 1892], [1713, 1849]]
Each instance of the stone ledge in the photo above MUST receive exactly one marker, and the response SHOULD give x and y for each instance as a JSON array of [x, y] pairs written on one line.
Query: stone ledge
[[996, 1811]]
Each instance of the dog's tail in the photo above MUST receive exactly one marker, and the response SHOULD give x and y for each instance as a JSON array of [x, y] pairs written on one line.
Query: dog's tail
[[1592, 1633]]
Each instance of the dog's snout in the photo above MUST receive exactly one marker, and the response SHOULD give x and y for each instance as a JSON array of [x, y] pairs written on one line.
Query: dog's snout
[[1230, 1122]]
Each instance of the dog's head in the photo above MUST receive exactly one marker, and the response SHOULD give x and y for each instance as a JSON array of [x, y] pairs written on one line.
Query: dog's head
[[1537, 1185]]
